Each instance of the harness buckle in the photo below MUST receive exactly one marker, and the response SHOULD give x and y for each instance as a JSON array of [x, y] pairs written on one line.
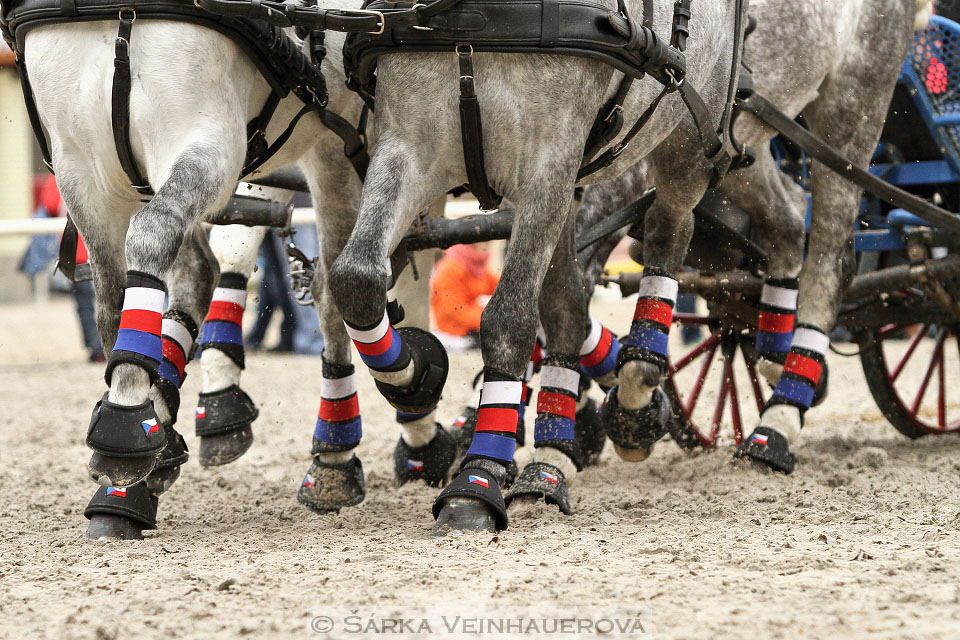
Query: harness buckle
[[131, 10], [467, 52], [417, 26], [368, 12]]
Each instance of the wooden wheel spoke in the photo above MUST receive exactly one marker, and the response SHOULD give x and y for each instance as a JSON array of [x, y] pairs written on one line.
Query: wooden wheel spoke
[[755, 383], [942, 391], [701, 378], [709, 343], [735, 408], [727, 376], [914, 341], [931, 366]]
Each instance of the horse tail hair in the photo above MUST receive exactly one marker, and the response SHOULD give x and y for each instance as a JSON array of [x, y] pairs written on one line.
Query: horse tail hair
[[924, 11]]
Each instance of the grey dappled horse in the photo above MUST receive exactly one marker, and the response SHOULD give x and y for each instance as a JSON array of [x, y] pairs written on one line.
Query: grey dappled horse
[[537, 112], [188, 132], [837, 63]]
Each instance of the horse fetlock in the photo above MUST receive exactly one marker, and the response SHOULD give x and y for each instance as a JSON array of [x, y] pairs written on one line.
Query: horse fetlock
[[784, 419], [346, 278], [557, 458], [219, 370], [770, 370], [430, 365], [637, 381]]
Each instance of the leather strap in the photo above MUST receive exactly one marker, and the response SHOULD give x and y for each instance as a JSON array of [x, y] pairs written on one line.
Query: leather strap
[[471, 131], [120, 105], [822, 152], [549, 23], [32, 114]]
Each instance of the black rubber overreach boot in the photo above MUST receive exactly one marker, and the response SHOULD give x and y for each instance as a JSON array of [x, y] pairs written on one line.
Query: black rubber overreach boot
[[473, 500], [430, 373], [430, 463], [635, 432], [223, 420], [331, 486], [590, 433], [121, 514], [125, 441], [768, 447], [541, 480]]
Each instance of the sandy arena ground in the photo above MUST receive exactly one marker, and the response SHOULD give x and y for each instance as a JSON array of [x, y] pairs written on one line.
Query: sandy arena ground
[[862, 541]]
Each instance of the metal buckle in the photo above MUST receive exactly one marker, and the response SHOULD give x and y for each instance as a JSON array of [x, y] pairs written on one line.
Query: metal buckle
[[461, 53], [367, 12], [131, 10], [617, 108], [417, 26]]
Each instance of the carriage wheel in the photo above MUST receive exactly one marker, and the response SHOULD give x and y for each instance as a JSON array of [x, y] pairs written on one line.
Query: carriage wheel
[[709, 381], [907, 368]]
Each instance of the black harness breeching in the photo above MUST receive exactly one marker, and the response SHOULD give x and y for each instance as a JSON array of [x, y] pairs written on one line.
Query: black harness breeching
[[279, 58]]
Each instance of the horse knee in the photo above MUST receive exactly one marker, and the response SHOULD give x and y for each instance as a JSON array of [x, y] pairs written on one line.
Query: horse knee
[[359, 288]]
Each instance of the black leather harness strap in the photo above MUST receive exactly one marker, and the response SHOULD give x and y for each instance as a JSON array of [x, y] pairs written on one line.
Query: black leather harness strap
[[120, 104], [471, 132]]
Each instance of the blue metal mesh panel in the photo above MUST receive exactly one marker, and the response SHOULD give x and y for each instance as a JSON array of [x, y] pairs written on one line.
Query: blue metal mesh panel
[[933, 70]]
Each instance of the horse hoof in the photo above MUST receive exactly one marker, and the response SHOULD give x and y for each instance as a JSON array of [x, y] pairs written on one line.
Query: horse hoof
[[464, 514], [330, 486], [430, 463], [471, 502], [632, 455], [119, 472], [123, 514], [223, 448], [634, 433], [223, 420], [769, 448], [162, 479], [540, 480], [108, 527]]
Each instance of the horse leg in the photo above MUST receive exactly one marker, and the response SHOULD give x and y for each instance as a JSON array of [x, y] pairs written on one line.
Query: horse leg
[[335, 476], [409, 365], [777, 207], [125, 432], [854, 130], [508, 331], [425, 450], [557, 455], [636, 411], [225, 412]]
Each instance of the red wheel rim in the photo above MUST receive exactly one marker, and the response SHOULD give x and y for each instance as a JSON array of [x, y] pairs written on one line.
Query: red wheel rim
[[714, 386], [917, 371]]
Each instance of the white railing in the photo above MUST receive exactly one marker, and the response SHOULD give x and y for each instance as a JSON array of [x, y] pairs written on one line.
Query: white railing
[[301, 215]]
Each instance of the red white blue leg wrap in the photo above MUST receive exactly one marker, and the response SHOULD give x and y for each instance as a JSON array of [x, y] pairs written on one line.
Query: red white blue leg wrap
[[381, 347], [650, 331], [338, 421], [138, 341], [223, 327], [598, 355], [557, 400], [178, 333], [495, 437], [777, 312], [802, 370]]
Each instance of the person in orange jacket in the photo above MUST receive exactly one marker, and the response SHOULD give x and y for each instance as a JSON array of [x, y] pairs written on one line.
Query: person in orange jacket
[[461, 285]]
